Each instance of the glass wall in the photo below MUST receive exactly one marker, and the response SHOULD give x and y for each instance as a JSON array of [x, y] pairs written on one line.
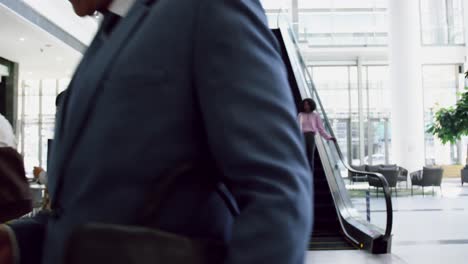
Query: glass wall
[[36, 119], [440, 83], [274, 7], [335, 85], [442, 22], [335, 23], [377, 109], [328, 23], [365, 22], [345, 26], [338, 88]]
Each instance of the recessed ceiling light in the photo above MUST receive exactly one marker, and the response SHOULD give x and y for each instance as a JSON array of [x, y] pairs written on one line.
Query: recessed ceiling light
[[30, 73], [22, 39], [59, 59]]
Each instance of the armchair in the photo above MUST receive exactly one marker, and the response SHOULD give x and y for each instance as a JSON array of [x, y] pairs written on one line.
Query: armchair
[[403, 176], [402, 172], [427, 177], [390, 174], [357, 178], [464, 175]]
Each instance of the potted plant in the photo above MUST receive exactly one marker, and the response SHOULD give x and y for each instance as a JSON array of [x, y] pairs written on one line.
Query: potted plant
[[451, 123]]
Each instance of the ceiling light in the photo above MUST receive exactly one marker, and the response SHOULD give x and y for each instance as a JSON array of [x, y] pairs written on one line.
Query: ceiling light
[[30, 73], [59, 59], [22, 39]]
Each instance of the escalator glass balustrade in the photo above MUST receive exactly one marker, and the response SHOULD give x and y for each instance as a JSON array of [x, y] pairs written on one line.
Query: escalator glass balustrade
[[340, 221]]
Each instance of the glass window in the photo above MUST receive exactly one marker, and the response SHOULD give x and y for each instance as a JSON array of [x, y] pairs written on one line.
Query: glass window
[[377, 111], [36, 119], [338, 90], [276, 4], [273, 8], [343, 4], [442, 22], [333, 86], [440, 84], [344, 27], [335, 22], [354, 116], [379, 94]]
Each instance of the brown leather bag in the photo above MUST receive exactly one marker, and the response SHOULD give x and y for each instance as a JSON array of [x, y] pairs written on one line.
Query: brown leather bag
[[15, 195]]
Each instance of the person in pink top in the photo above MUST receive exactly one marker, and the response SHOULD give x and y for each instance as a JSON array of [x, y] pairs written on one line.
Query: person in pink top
[[311, 124]]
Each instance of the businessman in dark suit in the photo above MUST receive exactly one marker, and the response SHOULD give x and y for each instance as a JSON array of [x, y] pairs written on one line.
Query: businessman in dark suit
[[167, 82]]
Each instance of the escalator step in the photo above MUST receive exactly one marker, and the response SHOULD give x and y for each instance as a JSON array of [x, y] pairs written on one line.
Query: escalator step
[[326, 233], [326, 225], [336, 242], [323, 185], [324, 195], [327, 206]]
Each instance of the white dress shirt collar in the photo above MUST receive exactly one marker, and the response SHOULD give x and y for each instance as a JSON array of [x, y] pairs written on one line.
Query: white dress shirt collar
[[121, 7]]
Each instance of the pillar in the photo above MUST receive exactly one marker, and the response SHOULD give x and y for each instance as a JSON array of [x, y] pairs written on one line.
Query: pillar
[[407, 120]]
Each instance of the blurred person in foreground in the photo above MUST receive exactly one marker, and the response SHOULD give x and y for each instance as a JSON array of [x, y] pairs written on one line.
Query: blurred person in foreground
[[163, 84]]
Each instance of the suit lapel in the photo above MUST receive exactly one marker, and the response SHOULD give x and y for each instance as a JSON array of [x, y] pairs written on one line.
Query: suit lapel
[[95, 45], [57, 147], [86, 84]]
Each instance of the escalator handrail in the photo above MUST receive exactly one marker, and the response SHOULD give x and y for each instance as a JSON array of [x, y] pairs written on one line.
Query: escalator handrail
[[387, 192], [378, 176]]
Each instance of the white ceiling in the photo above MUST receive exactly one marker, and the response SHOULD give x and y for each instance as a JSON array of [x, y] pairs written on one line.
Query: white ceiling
[[39, 54]]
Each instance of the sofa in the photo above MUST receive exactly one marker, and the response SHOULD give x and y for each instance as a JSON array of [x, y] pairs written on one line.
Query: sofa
[[402, 172]]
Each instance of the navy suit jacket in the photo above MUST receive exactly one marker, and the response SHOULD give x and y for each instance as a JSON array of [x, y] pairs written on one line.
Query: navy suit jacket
[[173, 81]]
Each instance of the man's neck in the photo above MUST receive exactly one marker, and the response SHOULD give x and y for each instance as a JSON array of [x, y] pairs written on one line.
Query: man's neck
[[121, 7]]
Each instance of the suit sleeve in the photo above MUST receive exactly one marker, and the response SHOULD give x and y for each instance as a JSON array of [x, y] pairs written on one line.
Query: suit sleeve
[[251, 124], [29, 235]]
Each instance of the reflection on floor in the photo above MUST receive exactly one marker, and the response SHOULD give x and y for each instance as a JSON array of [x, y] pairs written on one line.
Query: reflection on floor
[[429, 229]]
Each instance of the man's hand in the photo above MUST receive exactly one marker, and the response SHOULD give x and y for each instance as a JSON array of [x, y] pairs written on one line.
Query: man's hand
[[6, 247], [37, 171], [333, 139]]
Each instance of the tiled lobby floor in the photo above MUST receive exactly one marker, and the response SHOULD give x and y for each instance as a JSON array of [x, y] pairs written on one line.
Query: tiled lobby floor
[[428, 230], [350, 257]]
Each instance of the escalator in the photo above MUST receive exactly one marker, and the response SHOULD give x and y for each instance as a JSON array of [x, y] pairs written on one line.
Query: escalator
[[326, 234], [337, 224]]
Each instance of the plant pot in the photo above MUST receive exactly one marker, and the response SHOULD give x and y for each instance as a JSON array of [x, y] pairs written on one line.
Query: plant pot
[[452, 171]]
